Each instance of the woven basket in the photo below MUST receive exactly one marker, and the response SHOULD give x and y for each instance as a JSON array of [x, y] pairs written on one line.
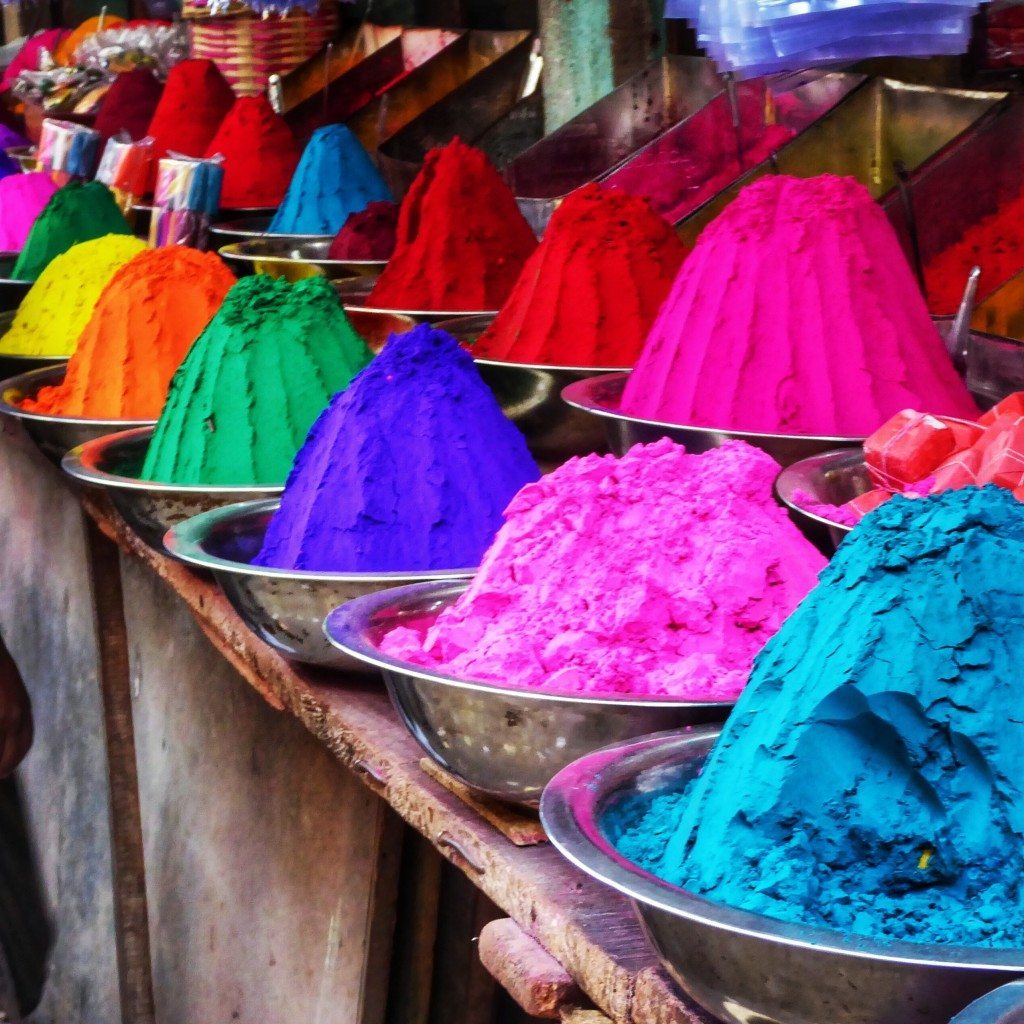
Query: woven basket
[[248, 49]]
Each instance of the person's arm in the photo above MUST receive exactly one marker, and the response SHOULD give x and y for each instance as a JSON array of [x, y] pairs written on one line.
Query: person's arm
[[15, 715]]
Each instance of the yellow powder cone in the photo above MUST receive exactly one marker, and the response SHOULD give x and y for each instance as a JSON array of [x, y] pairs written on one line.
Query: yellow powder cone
[[58, 306]]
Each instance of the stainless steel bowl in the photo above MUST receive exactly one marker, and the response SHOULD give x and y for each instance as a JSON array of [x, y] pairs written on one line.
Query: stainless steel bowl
[[376, 328], [355, 294], [55, 435], [1004, 1005], [12, 290], [499, 742], [247, 229], [12, 364], [601, 396], [113, 463], [281, 257], [831, 478], [530, 395], [745, 968], [284, 608]]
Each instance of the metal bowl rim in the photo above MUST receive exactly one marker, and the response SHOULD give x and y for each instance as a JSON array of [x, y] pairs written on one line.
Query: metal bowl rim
[[579, 395], [833, 454], [186, 541], [504, 364], [25, 381], [230, 252], [80, 463], [433, 314], [568, 812], [345, 628]]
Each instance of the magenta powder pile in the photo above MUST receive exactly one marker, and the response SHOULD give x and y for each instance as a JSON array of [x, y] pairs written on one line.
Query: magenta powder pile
[[656, 573], [796, 313]]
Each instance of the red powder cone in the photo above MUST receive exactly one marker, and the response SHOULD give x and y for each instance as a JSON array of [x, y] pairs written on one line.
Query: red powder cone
[[129, 104], [260, 154], [590, 292], [196, 99], [462, 241]]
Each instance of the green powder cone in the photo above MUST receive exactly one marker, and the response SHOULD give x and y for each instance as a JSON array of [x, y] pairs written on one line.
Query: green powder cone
[[78, 212], [242, 402]]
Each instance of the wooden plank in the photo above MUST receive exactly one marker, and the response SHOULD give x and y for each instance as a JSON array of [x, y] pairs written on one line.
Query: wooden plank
[[586, 927], [131, 914]]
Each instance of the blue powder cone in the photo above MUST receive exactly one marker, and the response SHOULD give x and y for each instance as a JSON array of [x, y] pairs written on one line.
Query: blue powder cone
[[409, 469], [335, 178], [869, 779]]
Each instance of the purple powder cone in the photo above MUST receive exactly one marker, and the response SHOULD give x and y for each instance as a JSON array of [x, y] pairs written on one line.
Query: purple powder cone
[[408, 469]]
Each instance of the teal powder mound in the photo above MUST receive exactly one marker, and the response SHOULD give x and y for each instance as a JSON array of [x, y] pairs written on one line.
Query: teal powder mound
[[335, 178], [409, 469], [869, 779]]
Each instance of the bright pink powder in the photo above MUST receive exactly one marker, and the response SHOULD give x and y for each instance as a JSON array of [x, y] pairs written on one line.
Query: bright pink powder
[[657, 573], [795, 313], [22, 198]]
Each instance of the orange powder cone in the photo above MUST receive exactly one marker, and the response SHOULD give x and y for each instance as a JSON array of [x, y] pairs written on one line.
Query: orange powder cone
[[152, 310]]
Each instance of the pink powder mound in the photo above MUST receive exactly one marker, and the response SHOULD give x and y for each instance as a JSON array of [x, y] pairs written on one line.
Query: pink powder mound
[[658, 573], [795, 313], [22, 198], [841, 514]]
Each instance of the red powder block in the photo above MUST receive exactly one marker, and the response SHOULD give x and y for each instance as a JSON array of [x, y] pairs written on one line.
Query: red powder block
[[960, 470], [868, 502], [1002, 461], [1011, 405], [907, 448], [965, 433]]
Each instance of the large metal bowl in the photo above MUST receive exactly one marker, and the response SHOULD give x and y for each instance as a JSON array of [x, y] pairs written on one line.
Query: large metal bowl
[[601, 397], [113, 464], [281, 257], [355, 293], [502, 743], [1004, 1005], [12, 364], [12, 289], [745, 968], [831, 478], [55, 435], [285, 608], [247, 229], [530, 395]]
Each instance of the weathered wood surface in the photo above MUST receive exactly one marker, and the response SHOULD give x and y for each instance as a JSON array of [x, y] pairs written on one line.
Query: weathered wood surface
[[591, 931]]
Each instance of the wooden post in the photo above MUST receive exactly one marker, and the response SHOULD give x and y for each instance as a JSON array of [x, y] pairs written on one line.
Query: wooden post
[[131, 916], [589, 46]]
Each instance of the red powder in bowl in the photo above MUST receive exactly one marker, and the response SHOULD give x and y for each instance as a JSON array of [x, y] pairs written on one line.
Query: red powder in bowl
[[590, 292], [461, 240], [260, 154], [196, 99], [129, 105], [367, 235]]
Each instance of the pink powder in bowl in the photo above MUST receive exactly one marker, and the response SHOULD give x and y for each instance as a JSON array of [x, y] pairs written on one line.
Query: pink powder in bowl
[[22, 198], [660, 573]]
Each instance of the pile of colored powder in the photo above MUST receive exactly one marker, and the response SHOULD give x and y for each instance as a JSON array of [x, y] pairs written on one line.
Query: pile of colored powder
[[409, 469], [335, 178], [795, 313], [22, 199], [78, 212], [461, 241], [195, 100], [64, 54], [869, 778], [995, 243], [251, 386], [10, 139], [367, 235], [130, 104], [657, 573], [260, 154], [28, 57], [57, 307], [591, 290], [149, 314], [8, 165]]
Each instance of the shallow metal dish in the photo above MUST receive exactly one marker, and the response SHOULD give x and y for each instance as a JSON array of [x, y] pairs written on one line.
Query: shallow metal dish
[[285, 608], [355, 292], [12, 364], [530, 395], [247, 229], [293, 260], [499, 742], [745, 968], [1004, 1005], [600, 396], [113, 463], [832, 478], [55, 435]]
